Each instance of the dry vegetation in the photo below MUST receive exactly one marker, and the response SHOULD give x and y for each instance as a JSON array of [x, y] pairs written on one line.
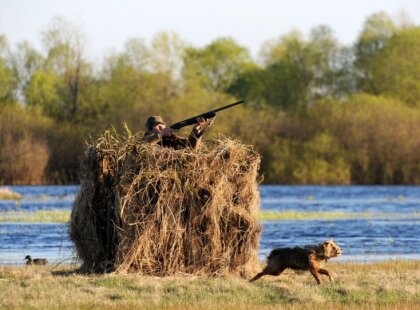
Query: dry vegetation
[[161, 211], [385, 285], [7, 193]]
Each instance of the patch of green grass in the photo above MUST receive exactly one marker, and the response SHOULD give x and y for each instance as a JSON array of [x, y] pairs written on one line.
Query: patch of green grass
[[391, 284], [47, 216], [334, 215], [63, 216], [8, 194]]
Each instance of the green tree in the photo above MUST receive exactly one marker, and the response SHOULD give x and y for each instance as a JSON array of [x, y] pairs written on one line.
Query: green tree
[[166, 54], [123, 92], [291, 74], [323, 162], [288, 72], [320, 160], [136, 55], [297, 72], [7, 84], [377, 31], [7, 79], [143, 80], [396, 69], [330, 64], [66, 61], [379, 135], [25, 61], [42, 91], [218, 64]]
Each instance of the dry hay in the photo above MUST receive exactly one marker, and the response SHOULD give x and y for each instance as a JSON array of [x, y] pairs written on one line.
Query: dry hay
[[160, 211]]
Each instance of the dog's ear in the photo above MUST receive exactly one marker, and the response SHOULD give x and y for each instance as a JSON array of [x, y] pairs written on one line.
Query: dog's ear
[[328, 243]]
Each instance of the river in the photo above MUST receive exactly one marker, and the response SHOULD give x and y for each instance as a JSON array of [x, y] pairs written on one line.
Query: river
[[371, 239]]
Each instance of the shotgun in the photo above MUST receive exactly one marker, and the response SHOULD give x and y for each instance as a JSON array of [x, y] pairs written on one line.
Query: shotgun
[[206, 116]]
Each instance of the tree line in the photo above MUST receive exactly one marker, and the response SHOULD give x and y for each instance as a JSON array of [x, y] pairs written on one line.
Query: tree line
[[319, 112]]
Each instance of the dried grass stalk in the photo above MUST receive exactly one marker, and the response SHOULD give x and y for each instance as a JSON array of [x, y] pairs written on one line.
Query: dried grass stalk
[[160, 211]]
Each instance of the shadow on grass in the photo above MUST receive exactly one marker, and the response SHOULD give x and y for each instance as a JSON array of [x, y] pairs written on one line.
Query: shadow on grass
[[76, 269], [275, 293], [67, 273]]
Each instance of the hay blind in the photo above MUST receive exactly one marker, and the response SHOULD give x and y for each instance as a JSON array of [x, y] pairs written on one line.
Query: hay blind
[[160, 211]]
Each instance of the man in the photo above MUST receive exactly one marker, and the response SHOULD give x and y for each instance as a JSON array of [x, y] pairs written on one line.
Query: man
[[158, 133]]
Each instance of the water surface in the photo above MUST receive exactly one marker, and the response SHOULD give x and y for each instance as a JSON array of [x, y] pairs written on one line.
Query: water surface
[[362, 239]]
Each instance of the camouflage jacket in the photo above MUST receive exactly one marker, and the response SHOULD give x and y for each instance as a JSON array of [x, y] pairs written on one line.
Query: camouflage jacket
[[177, 142], [174, 141]]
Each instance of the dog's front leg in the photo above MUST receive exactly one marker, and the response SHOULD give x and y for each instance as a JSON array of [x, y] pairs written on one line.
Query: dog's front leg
[[326, 272], [316, 275]]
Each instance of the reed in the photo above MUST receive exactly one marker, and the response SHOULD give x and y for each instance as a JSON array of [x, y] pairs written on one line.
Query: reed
[[160, 211]]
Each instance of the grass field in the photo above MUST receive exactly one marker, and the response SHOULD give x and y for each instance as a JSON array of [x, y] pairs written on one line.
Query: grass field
[[63, 216], [385, 285], [42, 216], [330, 215]]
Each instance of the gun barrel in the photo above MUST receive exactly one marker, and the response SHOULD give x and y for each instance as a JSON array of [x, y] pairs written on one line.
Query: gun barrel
[[226, 106], [209, 114]]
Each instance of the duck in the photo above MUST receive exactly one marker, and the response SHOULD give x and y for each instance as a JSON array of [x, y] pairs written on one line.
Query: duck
[[35, 261]]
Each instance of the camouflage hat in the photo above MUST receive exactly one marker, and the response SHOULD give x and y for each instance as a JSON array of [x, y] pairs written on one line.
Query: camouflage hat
[[153, 121]]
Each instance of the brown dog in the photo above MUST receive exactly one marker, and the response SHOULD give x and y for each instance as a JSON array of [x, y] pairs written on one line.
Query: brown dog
[[301, 258]]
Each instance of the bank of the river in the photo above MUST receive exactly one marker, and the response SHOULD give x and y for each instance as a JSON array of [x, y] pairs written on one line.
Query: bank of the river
[[393, 285], [7, 193]]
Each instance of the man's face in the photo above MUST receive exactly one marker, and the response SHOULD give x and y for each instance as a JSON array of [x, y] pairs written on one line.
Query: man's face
[[158, 128]]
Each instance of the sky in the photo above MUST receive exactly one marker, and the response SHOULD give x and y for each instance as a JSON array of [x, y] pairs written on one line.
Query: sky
[[108, 24]]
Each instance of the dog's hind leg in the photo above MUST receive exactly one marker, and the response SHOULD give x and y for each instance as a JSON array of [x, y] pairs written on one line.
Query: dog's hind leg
[[326, 272], [278, 271], [259, 275], [268, 271], [262, 273]]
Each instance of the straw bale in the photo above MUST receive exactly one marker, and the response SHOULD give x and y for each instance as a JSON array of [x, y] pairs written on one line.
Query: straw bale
[[160, 211]]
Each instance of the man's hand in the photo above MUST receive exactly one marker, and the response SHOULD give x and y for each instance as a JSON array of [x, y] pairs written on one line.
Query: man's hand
[[211, 121], [200, 122]]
